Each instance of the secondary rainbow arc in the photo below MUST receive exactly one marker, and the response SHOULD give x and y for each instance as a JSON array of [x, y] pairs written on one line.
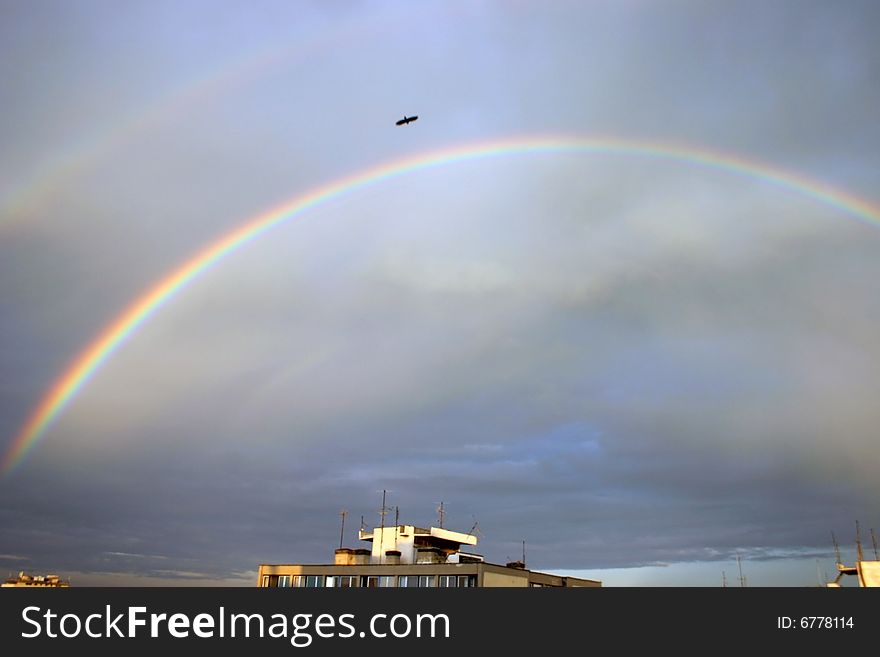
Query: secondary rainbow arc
[[89, 360]]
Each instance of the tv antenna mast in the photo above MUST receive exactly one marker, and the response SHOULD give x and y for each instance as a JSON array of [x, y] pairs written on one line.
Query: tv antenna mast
[[742, 579], [836, 550], [473, 530], [441, 513], [383, 511], [858, 541], [342, 513]]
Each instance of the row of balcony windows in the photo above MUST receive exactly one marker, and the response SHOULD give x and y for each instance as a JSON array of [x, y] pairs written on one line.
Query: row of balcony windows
[[368, 581]]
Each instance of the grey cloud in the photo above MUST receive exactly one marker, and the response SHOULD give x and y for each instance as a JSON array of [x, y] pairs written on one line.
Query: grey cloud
[[624, 361]]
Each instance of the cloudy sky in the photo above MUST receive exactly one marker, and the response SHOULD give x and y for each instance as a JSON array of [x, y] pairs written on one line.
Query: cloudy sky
[[643, 367]]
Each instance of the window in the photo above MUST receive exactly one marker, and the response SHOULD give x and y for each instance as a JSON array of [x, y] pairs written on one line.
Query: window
[[265, 580], [284, 581], [467, 580], [379, 581], [421, 581], [308, 581], [447, 581], [344, 581]]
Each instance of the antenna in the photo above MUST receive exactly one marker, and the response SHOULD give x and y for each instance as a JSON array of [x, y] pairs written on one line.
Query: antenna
[[874, 541], [363, 525], [383, 511], [524, 554], [858, 541], [836, 549], [342, 513], [723, 580], [742, 580], [441, 512]]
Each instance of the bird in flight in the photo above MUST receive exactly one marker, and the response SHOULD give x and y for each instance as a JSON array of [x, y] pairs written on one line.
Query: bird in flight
[[406, 119]]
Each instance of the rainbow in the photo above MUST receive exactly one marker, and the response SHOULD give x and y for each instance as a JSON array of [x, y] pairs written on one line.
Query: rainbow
[[90, 359]]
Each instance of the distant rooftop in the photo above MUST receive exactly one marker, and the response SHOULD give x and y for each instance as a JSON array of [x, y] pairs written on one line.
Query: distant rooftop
[[40, 581]]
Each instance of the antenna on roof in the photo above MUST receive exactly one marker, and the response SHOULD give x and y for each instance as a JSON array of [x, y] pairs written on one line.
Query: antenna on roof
[[383, 511], [836, 549], [524, 554], [742, 580], [441, 512], [874, 542], [363, 524], [342, 513], [474, 527], [723, 580], [858, 541]]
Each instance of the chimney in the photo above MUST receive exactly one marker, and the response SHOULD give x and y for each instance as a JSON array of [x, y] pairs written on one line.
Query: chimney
[[344, 557], [430, 555], [360, 557]]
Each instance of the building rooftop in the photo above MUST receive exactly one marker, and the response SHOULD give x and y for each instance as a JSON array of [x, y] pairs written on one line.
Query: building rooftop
[[42, 581], [411, 556]]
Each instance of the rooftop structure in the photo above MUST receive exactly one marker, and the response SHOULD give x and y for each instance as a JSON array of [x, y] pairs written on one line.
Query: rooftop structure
[[40, 581], [416, 545], [867, 571]]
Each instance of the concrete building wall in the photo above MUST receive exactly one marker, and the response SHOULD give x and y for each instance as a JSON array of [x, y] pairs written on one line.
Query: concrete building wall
[[869, 573], [394, 538], [514, 579], [477, 574]]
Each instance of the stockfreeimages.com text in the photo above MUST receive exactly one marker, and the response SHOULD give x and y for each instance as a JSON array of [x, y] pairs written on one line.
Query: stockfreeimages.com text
[[300, 629]]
